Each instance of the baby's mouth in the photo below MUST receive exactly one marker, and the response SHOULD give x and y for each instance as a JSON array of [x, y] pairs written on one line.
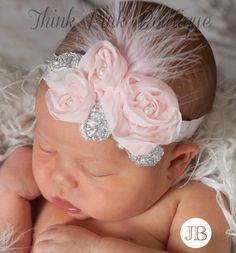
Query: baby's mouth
[[65, 205]]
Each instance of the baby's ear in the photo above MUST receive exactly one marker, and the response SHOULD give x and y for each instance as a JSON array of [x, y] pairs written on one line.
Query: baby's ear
[[182, 155]]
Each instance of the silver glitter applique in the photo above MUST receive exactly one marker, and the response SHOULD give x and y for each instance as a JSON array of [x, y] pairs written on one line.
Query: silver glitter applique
[[150, 159], [95, 128], [64, 61]]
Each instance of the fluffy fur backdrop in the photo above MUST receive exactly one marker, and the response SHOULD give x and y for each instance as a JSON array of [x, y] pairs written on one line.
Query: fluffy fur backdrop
[[215, 165]]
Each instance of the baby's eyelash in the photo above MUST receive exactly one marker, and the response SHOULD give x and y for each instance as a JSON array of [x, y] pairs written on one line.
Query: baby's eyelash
[[88, 171], [46, 151], [107, 175]]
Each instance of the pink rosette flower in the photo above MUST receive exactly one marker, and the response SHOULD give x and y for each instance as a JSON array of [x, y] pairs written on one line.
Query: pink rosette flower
[[70, 96], [104, 65], [142, 113]]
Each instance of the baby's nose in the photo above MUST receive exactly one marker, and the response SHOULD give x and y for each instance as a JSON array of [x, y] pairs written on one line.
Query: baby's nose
[[64, 179]]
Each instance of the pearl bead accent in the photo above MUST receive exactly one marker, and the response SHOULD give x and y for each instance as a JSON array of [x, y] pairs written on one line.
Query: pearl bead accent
[[148, 110], [68, 102], [102, 72]]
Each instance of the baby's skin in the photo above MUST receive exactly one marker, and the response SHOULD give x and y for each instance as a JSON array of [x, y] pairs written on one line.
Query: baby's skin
[[117, 206], [156, 228]]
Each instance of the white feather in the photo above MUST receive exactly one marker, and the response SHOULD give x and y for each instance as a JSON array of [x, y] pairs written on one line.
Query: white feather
[[8, 240], [17, 100]]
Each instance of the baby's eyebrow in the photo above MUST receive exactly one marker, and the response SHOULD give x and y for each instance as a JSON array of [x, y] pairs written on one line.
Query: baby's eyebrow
[[41, 136], [38, 132], [98, 161], [100, 168]]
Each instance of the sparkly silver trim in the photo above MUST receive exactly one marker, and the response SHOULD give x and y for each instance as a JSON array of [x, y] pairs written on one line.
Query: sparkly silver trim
[[150, 159], [95, 128], [120, 146], [64, 61]]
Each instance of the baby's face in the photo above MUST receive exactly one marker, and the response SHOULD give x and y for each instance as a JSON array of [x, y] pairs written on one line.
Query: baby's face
[[96, 177]]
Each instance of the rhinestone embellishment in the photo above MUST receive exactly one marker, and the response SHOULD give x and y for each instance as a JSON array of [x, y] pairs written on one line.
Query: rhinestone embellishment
[[95, 128], [150, 159], [64, 61]]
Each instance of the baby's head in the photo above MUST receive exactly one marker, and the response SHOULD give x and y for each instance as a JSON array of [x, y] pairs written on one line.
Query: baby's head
[[114, 119]]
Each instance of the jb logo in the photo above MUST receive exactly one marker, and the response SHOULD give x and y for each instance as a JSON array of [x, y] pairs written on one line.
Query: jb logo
[[195, 233]]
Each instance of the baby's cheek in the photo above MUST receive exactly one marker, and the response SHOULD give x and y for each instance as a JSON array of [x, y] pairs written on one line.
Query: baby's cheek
[[42, 170]]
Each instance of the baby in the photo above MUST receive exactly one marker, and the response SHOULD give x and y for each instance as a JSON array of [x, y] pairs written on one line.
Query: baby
[[116, 110]]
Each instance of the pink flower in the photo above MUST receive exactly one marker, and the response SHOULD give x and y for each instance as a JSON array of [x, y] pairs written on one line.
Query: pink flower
[[142, 114], [70, 96], [104, 65]]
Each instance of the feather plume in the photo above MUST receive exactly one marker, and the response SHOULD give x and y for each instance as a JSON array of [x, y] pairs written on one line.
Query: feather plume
[[152, 47]]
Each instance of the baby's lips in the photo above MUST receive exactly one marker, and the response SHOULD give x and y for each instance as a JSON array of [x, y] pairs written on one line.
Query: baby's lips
[[65, 205]]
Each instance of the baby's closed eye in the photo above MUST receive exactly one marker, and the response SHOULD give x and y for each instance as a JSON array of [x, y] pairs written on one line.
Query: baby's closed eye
[[96, 171], [46, 148]]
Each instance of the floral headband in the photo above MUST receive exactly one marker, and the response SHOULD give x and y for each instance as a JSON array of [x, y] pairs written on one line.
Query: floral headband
[[96, 90]]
